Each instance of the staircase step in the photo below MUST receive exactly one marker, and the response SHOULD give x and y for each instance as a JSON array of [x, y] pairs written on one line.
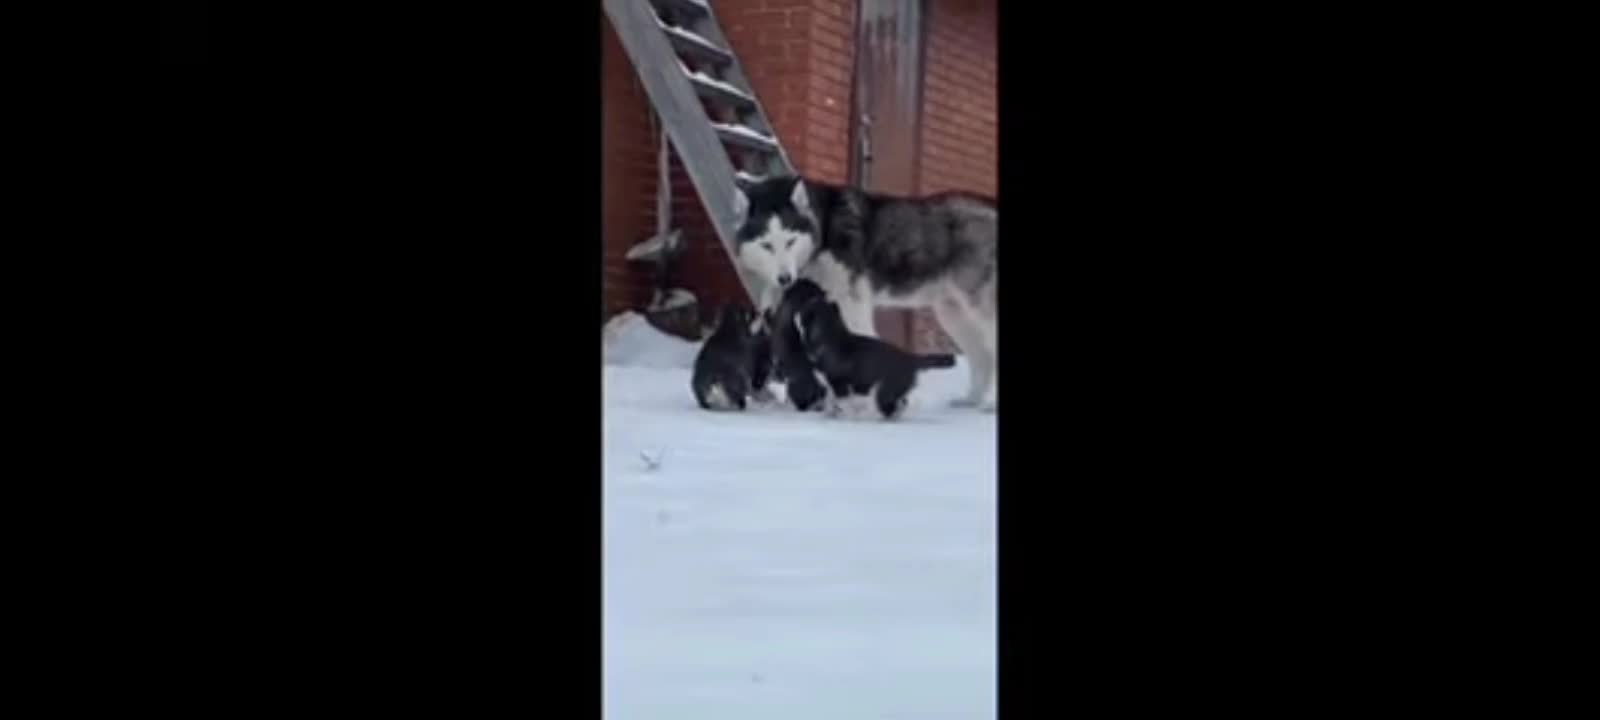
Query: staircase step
[[718, 92], [694, 46], [744, 137], [695, 9]]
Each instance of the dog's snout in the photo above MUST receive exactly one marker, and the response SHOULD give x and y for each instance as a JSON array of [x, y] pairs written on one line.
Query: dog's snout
[[785, 279]]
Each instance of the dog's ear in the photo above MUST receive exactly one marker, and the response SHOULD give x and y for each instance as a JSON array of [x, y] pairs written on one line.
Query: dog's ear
[[799, 197], [741, 202]]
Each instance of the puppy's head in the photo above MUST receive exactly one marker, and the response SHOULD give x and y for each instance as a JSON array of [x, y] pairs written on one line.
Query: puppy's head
[[802, 291], [820, 323], [736, 318]]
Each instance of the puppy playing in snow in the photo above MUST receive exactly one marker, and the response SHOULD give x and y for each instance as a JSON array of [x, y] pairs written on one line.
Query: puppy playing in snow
[[861, 366], [723, 371], [790, 362]]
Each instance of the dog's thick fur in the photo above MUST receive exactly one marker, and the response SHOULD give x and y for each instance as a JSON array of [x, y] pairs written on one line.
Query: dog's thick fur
[[723, 370], [790, 362], [858, 365], [868, 251]]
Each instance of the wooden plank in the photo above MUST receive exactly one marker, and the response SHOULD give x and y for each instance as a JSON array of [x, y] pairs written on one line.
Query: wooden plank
[[704, 158]]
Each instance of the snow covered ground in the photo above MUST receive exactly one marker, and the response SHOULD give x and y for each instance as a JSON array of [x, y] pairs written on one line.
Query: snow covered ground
[[783, 566]]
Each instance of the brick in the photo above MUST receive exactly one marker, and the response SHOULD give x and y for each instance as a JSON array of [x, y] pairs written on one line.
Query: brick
[[835, 41]]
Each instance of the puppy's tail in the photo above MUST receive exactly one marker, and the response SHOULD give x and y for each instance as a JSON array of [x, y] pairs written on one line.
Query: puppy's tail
[[939, 360]]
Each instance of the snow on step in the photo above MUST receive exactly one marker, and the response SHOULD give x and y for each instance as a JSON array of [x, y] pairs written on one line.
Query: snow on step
[[747, 178], [744, 131], [690, 36], [705, 79]]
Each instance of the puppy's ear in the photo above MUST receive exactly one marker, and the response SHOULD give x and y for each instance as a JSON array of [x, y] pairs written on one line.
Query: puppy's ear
[[741, 203]]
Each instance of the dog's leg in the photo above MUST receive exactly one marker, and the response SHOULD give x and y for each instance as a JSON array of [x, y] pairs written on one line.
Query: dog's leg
[[835, 391], [982, 313], [969, 337], [858, 315], [986, 319]]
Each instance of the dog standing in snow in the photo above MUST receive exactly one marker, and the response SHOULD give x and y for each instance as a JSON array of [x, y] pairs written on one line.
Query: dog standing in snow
[[725, 368], [858, 365]]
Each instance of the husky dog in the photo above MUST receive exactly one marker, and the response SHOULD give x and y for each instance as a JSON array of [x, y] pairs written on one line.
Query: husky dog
[[867, 251], [723, 369], [790, 362], [858, 365]]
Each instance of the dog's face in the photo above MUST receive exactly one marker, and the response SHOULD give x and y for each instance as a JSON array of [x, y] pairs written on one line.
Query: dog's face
[[776, 236]]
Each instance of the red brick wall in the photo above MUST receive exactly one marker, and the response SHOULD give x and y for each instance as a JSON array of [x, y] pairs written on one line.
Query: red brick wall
[[959, 113], [627, 171], [799, 55]]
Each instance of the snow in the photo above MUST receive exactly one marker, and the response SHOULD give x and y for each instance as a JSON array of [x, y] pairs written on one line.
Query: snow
[[703, 78], [745, 131], [745, 177], [786, 566], [652, 247], [629, 339], [690, 36]]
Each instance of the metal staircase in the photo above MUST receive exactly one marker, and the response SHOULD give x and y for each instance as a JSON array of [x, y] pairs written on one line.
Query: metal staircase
[[705, 103]]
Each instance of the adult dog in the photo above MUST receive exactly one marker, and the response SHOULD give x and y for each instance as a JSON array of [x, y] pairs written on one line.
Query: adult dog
[[868, 250]]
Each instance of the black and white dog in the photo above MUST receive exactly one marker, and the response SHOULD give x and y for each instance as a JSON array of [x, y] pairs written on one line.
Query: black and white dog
[[790, 362], [866, 250], [858, 365]]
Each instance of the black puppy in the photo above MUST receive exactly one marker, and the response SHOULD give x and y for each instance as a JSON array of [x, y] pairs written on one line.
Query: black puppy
[[791, 364], [857, 365], [723, 369]]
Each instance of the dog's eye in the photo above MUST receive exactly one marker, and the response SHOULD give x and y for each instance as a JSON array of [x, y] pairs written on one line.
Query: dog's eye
[[791, 243], [767, 245]]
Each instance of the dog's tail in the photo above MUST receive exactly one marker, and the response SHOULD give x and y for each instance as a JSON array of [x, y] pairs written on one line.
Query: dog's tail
[[939, 360]]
